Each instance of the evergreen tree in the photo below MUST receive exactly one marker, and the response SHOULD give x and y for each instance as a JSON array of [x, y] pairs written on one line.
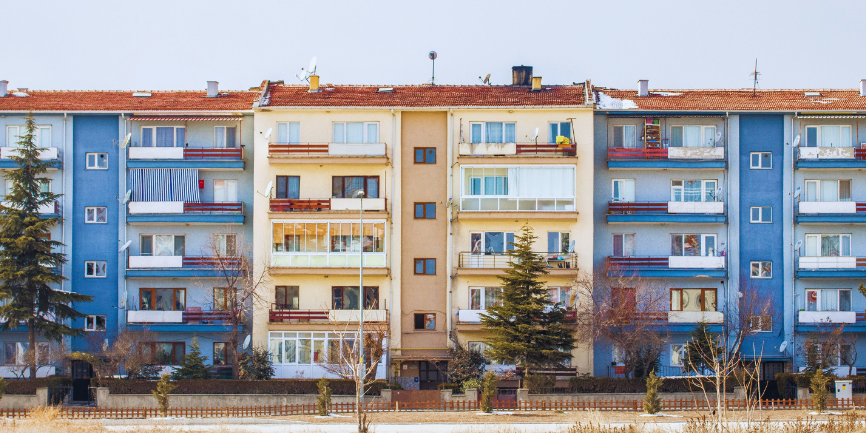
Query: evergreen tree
[[528, 329], [652, 403], [323, 401], [819, 390], [163, 388], [27, 257], [702, 349], [192, 366]]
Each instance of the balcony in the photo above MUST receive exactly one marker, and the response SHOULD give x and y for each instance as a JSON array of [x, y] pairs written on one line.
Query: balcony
[[180, 266], [673, 212], [49, 154], [830, 157], [827, 317], [283, 263], [517, 207], [328, 153], [672, 157], [831, 267], [186, 157], [477, 152], [327, 207], [492, 263], [695, 317], [668, 267], [277, 314], [190, 320], [831, 212], [50, 210], [185, 212]]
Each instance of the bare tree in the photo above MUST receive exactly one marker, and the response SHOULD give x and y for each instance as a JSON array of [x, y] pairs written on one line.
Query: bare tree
[[44, 355], [127, 353], [829, 346]]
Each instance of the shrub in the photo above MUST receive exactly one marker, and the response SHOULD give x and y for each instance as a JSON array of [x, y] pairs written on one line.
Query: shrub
[[819, 390], [256, 365], [323, 401], [273, 386], [590, 385], [2, 388], [652, 403], [192, 366], [472, 383], [392, 385], [787, 381], [58, 388], [539, 383], [488, 391], [465, 364], [163, 388], [448, 385]]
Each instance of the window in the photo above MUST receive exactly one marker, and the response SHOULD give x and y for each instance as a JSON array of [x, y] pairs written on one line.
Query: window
[[692, 245], [325, 237], [828, 190], [94, 323], [425, 321], [761, 160], [824, 245], [425, 266], [220, 353], [522, 188], [481, 298], [828, 136], [693, 299], [225, 245], [623, 190], [221, 301], [559, 242], [623, 245], [225, 137], [163, 136], [96, 161], [492, 132], [828, 300], [676, 355], [14, 134], [694, 190], [425, 211], [163, 245], [624, 137], [693, 136], [425, 155], [491, 242], [286, 297], [356, 132], [164, 353], [162, 299], [306, 348], [623, 299], [44, 186], [94, 269], [289, 133], [761, 214], [762, 269], [15, 353], [564, 296], [559, 129], [225, 191], [476, 346], [346, 298], [350, 186], [288, 187], [761, 323], [95, 215]]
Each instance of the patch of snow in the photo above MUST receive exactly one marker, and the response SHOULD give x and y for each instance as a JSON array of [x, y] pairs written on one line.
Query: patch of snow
[[666, 93], [333, 415], [19, 94], [662, 414], [824, 101], [607, 102], [495, 412], [825, 413]]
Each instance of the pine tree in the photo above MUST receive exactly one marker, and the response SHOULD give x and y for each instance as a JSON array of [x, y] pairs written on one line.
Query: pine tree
[[652, 403], [488, 391], [192, 366], [163, 388], [702, 349], [819, 390], [27, 254], [323, 400], [527, 327]]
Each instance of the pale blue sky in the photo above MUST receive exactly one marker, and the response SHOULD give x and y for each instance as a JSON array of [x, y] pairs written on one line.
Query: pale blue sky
[[178, 44]]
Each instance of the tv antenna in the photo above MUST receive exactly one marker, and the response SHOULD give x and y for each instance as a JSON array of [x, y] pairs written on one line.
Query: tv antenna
[[485, 80], [432, 57], [755, 75], [311, 70]]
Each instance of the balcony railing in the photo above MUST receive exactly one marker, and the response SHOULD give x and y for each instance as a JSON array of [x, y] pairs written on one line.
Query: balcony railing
[[831, 207], [191, 315], [278, 314], [829, 317], [670, 262], [327, 204], [676, 153], [160, 262], [179, 207], [474, 316], [281, 150], [186, 153], [52, 208], [515, 149], [673, 207], [838, 153], [831, 262], [517, 204], [45, 153], [499, 260]]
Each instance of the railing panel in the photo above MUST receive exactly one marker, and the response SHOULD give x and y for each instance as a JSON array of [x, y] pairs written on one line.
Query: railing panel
[[299, 205], [194, 153]]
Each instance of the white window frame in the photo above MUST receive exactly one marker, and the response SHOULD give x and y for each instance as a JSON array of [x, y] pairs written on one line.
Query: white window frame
[[226, 189], [221, 243], [366, 132], [758, 266], [757, 323], [704, 138], [225, 134], [95, 265], [483, 246], [818, 189], [512, 176], [173, 135], [570, 303], [676, 353], [96, 159], [19, 129], [678, 185], [703, 239], [153, 243], [624, 183], [288, 139], [623, 237], [819, 303], [762, 156], [484, 131], [91, 215], [625, 133], [818, 239], [312, 337], [483, 297], [818, 135], [559, 236], [550, 125], [762, 214], [90, 323]]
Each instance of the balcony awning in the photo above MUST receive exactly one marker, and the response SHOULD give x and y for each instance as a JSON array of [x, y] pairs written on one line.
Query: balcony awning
[[832, 116], [187, 118]]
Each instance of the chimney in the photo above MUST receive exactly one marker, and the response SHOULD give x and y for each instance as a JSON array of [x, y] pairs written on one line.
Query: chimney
[[3, 84], [314, 83], [213, 89], [862, 87], [536, 83], [521, 75], [643, 88]]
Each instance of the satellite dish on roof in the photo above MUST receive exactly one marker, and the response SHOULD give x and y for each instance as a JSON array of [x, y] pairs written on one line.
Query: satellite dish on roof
[[797, 141], [535, 134], [485, 80], [432, 55], [125, 141], [125, 246], [247, 342], [268, 134], [312, 69], [783, 346]]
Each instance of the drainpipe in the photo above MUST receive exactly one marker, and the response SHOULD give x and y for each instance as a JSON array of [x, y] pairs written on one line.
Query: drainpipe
[[728, 255], [449, 259], [122, 215], [63, 208], [791, 246], [391, 241]]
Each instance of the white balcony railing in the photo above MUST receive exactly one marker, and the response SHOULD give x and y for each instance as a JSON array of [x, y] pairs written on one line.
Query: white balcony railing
[[515, 204], [45, 209], [819, 207], [45, 153], [696, 153], [827, 317], [153, 316], [343, 316], [695, 316], [487, 149], [360, 149], [696, 262], [136, 262], [326, 260], [832, 262], [155, 153], [826, 153], [703, 207], [354, 204], [470, 316], [160, 207]]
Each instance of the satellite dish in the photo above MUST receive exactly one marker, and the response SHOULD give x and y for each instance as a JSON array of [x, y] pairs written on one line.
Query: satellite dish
[[798, 245], [486, 79], [267, 193], [125, 246], [247, 342], [312, 69], [783, 346], [268, 134], [433, 56], [126, 141], [127, 196], [718, 136], [797, 141], [797, 192], [535, 134]]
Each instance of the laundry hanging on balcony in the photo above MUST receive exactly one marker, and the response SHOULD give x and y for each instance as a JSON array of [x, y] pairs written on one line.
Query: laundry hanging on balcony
[[164, 184]]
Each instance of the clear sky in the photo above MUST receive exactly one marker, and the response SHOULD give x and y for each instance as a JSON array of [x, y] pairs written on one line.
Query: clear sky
[[180, 44]]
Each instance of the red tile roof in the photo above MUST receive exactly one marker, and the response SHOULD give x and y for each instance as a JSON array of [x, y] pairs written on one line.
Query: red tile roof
[[281, 95], [112, 100], [737, 100]]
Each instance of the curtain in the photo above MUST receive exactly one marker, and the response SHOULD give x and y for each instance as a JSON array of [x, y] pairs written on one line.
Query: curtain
[[494, 132], [372, 133], [844, 300], [339, 133], [692, 136], [812, 245], [811, 190], [829, 300], [492, 296], [231, 138], [545, 181], [692, 190], [844, 190], [830, 136], [282, 133], [219, 137], [354, 132], [146, 137], [676, 136], [164, 136], [475, 133], [510, 133], [829, 190], [829, 246], [710, 136], [180, 135], [844, 141], [494, 242], [629, 140], [623, 190]]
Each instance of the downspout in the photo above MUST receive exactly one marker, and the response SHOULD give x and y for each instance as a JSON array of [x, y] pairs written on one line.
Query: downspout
[[394, 154], [449, 259], [793, 242], [63, 208], [124, 176], [727, 284]]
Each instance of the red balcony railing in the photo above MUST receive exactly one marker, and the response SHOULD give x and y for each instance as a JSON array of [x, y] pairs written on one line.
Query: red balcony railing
[[620, 153], [213, 207], [546, 149], [309, 149], [860, 154], [197, 315], [194, 153], [638, 262], [280, 315], [616, 207], [300, 205], [210, 262]]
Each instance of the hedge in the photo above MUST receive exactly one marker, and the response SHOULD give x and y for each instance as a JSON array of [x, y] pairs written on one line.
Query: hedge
[[595, 385], [273, 386], [28, 387], [786, 381]]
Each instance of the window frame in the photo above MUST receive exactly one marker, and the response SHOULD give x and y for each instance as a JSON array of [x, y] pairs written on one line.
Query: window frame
[[613, 190], [426, 320], [288, 139], [96, 158], [91, 323], [819, 189], [482, 299], [702, 238], [366, 126], [425, 266], [756, 326], [222, 245], [224, 299], [370, 293], [153, 136], [622, 240], [151, 235], [226, 189], [703, 189], [175, 354], [819, 303], [425, 155], [559, 240], [508, 245], [225, 353], [425, 210], [484, 132], [703, 136], [37, 133], [679, 350], [819, 133], [703, 295], [174, 294], [288, 183], [762, 156], [96, 265], [613, 143], [762, 211], [366, 186], [551, 139], [759, 266], [225, 134], [95, 211], [819, 240], [287, 291]]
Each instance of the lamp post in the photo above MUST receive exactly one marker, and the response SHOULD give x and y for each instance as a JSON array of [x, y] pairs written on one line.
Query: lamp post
[[362, 364]]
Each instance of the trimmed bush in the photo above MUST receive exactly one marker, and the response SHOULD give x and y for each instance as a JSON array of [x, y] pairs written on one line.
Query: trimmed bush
[[272, 386], [652, 403], [28, 387], [786, 381], [539, 383], [597, 385]]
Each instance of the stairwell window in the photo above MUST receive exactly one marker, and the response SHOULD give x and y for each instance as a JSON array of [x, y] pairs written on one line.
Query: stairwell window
[[95, 215], [96, 161], [425, 322], [94, 323], [425, 211], [163, 136], [14, 134], [693, 136], [761, 214], [289, 133], [829, 136], [827, 245], [761, 160], [828, 300], [95, 269], [558, 129], [356, 132], [828, 190], [425, 266], [624, 137], [163, 245], [225, 137], [693, 299], [425, 155], [493, 132], [694, 190], [762, 269]]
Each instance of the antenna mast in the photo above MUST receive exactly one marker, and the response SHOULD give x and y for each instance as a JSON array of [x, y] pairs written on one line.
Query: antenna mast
[[433, 56], [755, 75]]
